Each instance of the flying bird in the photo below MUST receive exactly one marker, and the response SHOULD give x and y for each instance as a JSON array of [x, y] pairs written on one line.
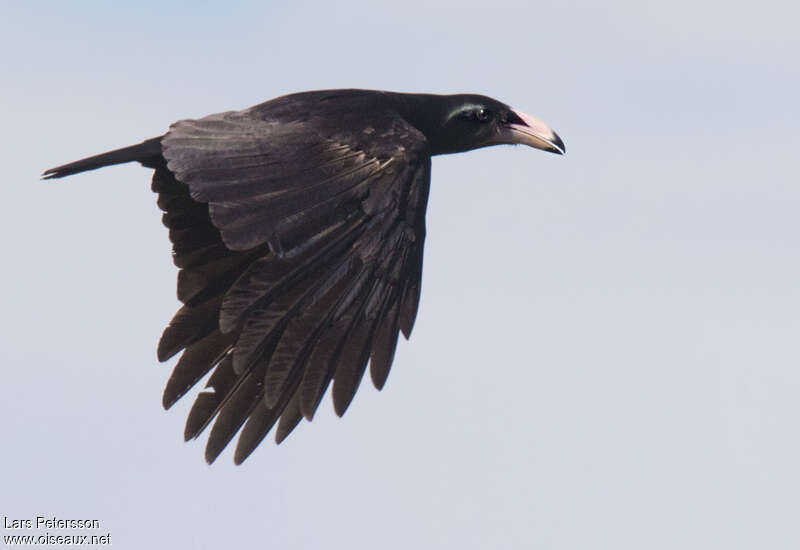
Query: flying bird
[[298, 228]]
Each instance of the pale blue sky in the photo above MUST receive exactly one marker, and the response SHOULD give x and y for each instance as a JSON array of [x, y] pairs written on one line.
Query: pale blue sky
[[606, 354]]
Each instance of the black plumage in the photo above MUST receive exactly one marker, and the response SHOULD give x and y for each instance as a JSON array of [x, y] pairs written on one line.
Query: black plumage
[[298, 227]]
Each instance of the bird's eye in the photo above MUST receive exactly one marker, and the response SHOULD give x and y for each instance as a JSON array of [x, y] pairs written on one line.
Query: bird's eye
[[482, 115]]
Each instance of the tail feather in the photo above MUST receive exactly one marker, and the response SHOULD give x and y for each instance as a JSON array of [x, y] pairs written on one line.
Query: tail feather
[[146, 152]]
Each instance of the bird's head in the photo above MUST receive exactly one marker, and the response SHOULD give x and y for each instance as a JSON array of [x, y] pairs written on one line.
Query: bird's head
[[466, 122]]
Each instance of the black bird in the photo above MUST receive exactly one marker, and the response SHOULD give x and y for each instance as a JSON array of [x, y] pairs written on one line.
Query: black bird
[[298, 227]]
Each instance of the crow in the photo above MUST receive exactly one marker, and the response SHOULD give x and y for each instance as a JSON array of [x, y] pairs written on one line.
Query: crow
[[298, 228]]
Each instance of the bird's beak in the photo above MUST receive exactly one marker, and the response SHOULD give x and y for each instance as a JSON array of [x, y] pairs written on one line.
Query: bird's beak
[[528, 130]]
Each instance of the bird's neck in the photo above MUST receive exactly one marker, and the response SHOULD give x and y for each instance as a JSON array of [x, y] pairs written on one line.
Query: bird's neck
[[425, 112]]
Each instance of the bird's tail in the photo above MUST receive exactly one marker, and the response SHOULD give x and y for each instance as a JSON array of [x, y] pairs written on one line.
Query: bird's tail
[[147, 152]]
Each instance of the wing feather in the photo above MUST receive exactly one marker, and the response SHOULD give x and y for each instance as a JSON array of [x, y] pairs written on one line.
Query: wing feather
[[384, 345], [320, 368], [261, 421], [233, 412], [290, 418], [352, 362], [195, 362], [207, 403]]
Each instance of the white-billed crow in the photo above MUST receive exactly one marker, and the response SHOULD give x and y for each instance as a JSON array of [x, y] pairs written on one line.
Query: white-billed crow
[[298, 227]]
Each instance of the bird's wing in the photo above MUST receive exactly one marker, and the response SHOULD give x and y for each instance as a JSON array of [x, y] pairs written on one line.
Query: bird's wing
[[303, 268]]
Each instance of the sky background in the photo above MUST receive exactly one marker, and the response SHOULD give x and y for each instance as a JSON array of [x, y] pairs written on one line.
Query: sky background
[[607, 349]]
